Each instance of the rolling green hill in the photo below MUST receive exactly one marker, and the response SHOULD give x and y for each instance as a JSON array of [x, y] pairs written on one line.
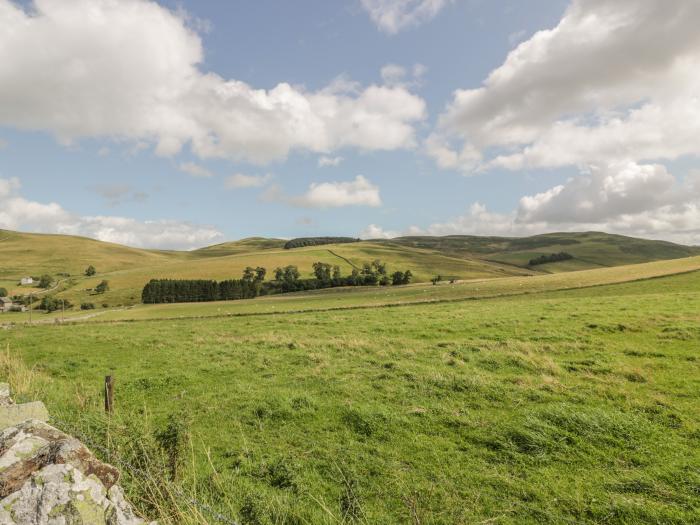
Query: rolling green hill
[[33, 254], [590, 249], [126, 285], [453, 257], [248, 245]]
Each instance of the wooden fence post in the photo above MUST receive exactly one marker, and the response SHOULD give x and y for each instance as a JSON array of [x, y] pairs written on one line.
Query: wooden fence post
[[109, 394]]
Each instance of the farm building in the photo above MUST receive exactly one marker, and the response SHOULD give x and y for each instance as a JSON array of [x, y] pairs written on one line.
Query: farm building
[[6, 305], [26, 280]]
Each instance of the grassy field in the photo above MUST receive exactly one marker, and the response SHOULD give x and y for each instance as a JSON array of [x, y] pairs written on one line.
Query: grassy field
[[549, 406]]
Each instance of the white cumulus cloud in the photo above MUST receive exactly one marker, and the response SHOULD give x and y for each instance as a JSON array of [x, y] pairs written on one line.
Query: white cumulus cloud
[[324, 162], [131, 70], [613, 81], [601, 193], [358, 192], [377, 232], [392, 16], [633, 199]]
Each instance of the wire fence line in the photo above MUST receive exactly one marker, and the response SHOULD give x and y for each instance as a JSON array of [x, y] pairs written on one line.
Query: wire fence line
[[123, 464]]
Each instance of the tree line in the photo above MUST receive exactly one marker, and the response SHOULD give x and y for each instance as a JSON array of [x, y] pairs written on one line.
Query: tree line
[[554, 257], [252, 284], [317, 241]]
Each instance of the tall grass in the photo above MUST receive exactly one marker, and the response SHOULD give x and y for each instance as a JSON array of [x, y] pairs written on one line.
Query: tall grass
[[153, 462], [25, 382]]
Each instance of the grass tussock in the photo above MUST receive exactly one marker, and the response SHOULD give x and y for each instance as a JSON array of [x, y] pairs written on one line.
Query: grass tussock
[[26, 382]]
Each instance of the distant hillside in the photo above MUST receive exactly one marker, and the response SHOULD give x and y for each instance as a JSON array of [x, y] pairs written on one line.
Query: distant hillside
[[248, 245], [34, 254], [589, 249], [302, 242], [126, 285], [455, 257]]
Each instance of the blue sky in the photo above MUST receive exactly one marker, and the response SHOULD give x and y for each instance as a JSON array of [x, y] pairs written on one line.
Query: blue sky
[[130, 129]]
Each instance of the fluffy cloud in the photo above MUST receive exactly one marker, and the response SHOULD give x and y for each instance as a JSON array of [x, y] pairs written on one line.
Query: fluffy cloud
[[673, 222], [358, 192], [195, 170], [324, 162], [613, 81], [130, 69], [392, 16], [240, 180], [627, 198], [18, 213], [604, 193], [377, 232], [479, 221]]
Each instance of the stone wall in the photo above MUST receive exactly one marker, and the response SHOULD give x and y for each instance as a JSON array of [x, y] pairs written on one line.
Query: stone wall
[[50, 478]]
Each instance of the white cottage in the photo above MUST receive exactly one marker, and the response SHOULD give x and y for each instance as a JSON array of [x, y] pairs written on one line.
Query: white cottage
[[26, 281]]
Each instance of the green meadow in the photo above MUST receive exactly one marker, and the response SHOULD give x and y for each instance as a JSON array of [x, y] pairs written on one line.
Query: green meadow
[[566, 398]]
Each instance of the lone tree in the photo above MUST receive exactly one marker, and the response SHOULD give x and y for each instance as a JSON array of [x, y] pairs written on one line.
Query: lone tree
[[45, 281], [322, 271], [102, 287], [3, 292], [90, 271]]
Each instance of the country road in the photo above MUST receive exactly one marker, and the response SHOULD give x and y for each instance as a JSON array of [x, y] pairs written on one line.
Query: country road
[[47, 290]]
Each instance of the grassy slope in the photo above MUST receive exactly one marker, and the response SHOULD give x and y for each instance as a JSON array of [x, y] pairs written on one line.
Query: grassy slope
[[126, 285], [591, 249], [579, 406], [34, 254], [28, 254], [128, 269], [251, 244]]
